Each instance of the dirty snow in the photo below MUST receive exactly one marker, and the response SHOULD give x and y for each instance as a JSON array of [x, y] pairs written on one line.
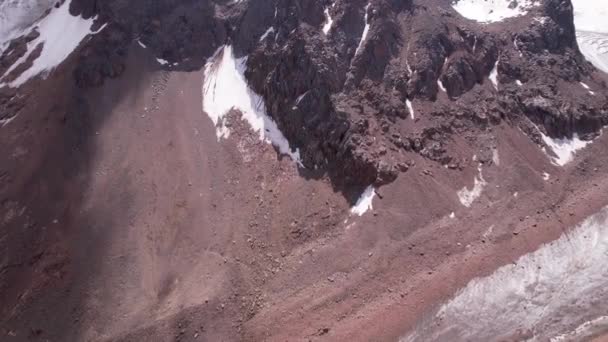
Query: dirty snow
[[490, 11], [410, 107], [564, 149], [60, 34], [548, 293], [365, 30], [328, 22], [364, 203], [225, 88], [495, 157], [466, 196]]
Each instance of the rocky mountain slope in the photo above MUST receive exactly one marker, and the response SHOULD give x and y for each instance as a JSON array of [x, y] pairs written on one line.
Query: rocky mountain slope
[[299, 169]]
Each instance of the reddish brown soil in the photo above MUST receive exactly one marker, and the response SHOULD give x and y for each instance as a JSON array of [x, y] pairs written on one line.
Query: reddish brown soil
[[124, 219]]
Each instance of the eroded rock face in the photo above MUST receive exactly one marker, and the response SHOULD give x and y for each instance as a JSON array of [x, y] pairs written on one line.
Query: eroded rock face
[[342, 99]]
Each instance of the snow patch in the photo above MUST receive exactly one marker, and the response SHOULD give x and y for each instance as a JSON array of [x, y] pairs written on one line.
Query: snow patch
[[587, 88], [466, 196], [495, 157], [546, 176], [60, 35], [225, 88], [440, 84], [141, 44], [548, 292], [452, 215], [365, 30], [494, 75], [564, 149], [329, 22], [410, 107], [364, 203], [490, 11], [518, 82], [162, 61]]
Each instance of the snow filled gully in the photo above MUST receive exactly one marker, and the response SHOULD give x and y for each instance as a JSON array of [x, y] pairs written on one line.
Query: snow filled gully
[[555, 293], [225, 88]]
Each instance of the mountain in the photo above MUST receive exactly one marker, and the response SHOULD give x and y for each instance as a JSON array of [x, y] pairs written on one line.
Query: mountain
[[225, 170]]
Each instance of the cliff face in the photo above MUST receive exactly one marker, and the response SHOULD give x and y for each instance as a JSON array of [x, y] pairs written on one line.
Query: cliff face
[[359, 86], [338, 76]]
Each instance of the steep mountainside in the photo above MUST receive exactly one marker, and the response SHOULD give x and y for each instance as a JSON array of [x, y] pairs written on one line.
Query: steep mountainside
[[226, 170]]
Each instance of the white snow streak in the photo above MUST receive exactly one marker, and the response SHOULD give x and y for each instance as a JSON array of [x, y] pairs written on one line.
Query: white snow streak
[[440, 84], [60, 34], [466, 196], [365, 30], [225, 88], [552, 292], [269, 31], [489, 11], [364, 203], [408, 103], [328, 22], [587, 88], [494, 75], [564, 149]]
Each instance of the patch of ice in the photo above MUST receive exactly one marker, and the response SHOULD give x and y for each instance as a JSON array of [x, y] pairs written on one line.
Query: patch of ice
[[328, 22], [494, 75], [225, 88], [564, 149], [364, 203], [546, 293], [365, 30], [490, 11], [410, 107], [466, 196], [60, 35], [269, 31]]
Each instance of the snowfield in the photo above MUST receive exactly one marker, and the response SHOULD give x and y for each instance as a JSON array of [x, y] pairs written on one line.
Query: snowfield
[[60, 35], [555, 290], [491, 11], [590, 20], [18, 16]]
